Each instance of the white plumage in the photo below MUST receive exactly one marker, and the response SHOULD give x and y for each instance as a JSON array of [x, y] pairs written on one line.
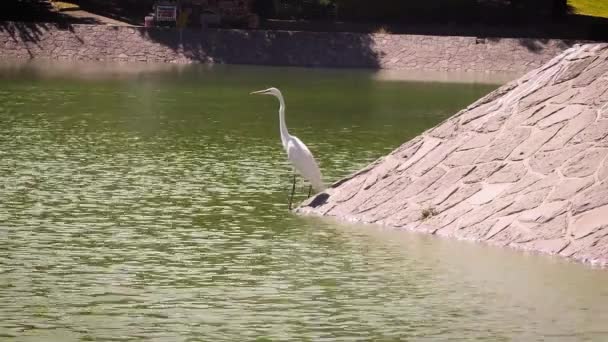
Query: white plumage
[[297, 153], [302, 159]]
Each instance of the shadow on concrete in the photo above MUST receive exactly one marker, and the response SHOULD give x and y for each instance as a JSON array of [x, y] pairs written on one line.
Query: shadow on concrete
[[33, 33], [39, 11], [281, 48], [573, 27], [533, 36], [27, 32], [346, 48], [127, 11]]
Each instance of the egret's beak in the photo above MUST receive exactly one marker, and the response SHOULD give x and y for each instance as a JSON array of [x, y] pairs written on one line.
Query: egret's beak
[[258, 92]]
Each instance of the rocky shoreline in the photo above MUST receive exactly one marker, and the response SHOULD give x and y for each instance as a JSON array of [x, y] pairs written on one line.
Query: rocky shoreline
[[278, 48], [524, 167]]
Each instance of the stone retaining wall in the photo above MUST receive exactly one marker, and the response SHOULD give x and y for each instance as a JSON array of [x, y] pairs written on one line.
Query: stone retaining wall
[[525, 166], [121, 43]]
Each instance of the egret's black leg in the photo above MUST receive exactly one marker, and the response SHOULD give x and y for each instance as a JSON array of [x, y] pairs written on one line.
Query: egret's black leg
[[293, 189], [309, 190]]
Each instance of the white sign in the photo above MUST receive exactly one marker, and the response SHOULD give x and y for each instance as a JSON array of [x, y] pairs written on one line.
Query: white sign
[[166, 13]]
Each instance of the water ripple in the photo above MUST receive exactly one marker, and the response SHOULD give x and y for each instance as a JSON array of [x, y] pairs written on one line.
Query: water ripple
[[157, 211]]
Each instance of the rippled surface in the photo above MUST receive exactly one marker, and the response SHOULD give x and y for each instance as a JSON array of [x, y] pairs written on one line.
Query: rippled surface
[[151, 205]]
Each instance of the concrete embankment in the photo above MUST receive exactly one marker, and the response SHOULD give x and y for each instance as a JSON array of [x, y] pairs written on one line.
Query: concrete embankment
[[286, 48], [525, 166]]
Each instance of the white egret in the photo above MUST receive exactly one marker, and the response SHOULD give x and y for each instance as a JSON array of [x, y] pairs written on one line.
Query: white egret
[[298, 154]]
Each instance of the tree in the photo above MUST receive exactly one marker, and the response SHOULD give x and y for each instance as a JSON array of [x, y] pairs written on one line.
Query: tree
[[559, 8]]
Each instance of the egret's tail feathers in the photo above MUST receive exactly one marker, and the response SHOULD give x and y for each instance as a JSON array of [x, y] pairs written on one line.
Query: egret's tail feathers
[[319, 186]]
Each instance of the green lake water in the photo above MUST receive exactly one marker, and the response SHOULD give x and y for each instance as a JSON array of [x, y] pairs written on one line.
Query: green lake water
[[144, 203]]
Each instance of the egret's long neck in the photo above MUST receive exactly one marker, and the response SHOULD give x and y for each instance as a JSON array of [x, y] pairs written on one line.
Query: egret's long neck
[[283, 126]]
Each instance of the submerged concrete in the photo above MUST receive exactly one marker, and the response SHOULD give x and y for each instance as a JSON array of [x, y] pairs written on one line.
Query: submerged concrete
[[525, 166]]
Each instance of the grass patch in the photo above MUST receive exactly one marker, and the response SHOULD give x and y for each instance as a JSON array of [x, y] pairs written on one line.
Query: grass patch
[[594, 8], [427, 213], [64, 6], [382, 30]]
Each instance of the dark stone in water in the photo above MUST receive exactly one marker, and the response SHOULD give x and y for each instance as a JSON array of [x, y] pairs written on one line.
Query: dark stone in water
[[319, 200]]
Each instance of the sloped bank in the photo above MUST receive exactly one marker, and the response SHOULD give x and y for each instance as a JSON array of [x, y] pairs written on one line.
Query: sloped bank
[[287, 48], [525, 166]]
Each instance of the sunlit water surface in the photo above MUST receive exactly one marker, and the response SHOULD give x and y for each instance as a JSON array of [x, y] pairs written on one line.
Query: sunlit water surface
[[149, 204]]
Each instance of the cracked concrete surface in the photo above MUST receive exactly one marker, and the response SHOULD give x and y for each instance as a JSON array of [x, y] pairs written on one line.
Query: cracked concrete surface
[[525, 167]]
